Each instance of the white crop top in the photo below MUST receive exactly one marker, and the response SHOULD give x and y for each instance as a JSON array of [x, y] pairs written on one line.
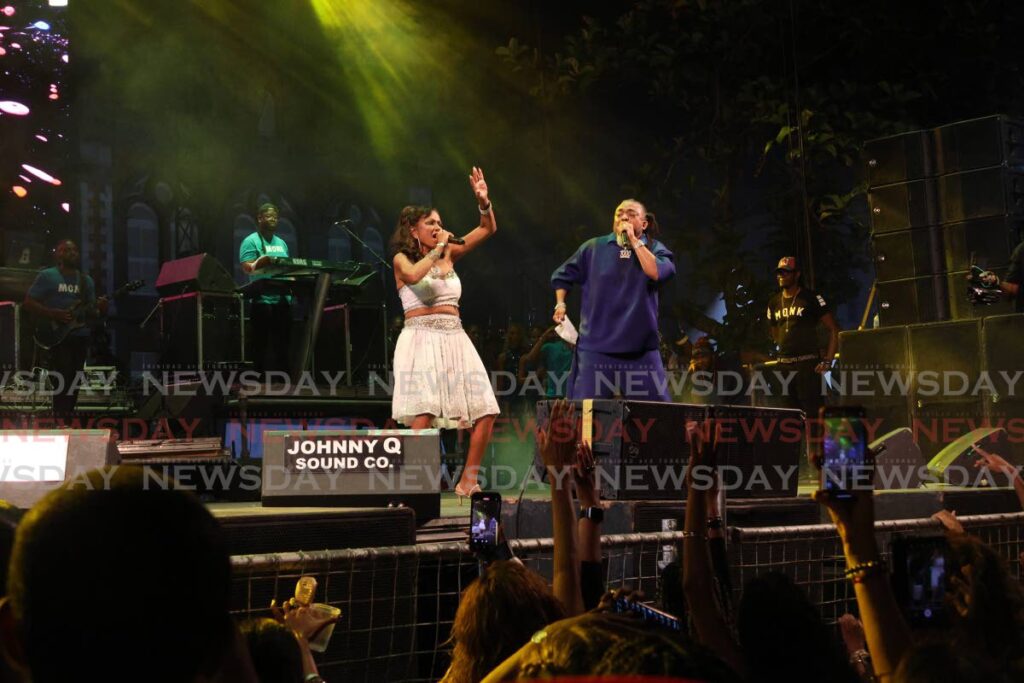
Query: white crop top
[[433, 290]]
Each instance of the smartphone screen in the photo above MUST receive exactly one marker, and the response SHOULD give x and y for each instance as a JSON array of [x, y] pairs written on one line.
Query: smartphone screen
[[484, 514], [845, 464], [920, 567]]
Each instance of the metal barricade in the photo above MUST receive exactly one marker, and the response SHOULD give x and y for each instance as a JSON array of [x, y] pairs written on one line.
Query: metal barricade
[[398, 603]]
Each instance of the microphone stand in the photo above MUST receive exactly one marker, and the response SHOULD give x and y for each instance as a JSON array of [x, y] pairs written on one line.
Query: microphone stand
[[344, 223]]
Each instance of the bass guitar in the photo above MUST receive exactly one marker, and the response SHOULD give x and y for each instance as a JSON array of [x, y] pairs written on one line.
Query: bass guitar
[[50, 333]]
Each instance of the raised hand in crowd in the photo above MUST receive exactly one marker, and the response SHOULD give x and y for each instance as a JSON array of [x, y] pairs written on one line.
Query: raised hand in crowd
[[557, 443], [886, 631], [698, 576], [949, 522], [302, 619], [999, 465], [856, 645], [589, 527], [306, 624]]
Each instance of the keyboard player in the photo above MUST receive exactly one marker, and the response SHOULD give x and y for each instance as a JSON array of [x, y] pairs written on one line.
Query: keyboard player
[[271, 315]]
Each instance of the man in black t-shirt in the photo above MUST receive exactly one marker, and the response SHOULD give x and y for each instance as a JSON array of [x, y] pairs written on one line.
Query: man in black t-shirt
[[794, 314]]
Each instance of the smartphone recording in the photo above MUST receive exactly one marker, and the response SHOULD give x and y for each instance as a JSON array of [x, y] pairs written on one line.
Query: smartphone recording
[[921, 565], [484, 515], [846, 463]]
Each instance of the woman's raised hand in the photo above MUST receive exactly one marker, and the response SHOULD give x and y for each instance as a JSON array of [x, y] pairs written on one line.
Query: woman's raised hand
[[479, 185]]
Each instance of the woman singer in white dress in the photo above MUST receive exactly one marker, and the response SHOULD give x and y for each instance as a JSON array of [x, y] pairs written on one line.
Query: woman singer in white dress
[[440, 380]]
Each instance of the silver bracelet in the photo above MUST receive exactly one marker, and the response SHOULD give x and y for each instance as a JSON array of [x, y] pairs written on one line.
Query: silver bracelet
[[560, 306], [484, 211]]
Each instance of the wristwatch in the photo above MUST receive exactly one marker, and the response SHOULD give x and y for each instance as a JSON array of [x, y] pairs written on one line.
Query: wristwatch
[[594, 513]]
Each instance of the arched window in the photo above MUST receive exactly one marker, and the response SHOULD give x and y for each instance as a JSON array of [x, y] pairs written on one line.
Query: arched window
[[339, 244], [143, 246], [286, 231], [375, 242], [244, 226]]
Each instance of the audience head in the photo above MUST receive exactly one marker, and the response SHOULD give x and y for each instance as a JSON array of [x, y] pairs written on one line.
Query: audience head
[[497, 614], [986, 601], [778, 625], [604, 644], [938, 660], [702, 355], [274, 649], [115, 577], [514, 337]]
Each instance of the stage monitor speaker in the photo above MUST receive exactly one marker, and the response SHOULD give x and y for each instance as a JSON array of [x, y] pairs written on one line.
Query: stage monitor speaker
[[994, 191], [898, 460], [959, 454], [639, 445], [37, 461], [903, 254], [977, 143], [642, 448], [941, 421], [913, 300], [897, 158], [353, 468], [989, 241], [902, 206], [949, 352], [199, 273], [961, 308]]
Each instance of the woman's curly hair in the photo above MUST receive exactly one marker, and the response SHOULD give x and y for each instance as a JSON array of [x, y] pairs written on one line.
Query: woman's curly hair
[[602, 644], [402, 241], [497, 615]]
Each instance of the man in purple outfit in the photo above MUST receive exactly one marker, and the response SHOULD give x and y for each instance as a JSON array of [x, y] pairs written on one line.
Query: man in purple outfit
[[620, 275]]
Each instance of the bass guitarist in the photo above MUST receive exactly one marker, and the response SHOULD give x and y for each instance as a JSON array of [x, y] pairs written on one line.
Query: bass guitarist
[[65, 294]]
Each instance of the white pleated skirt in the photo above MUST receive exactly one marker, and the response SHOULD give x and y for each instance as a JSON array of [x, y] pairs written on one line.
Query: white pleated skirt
[[439, 372]]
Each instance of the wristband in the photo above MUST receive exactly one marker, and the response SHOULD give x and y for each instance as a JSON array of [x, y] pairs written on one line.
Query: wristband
[[484, 211], [594, 513], [858, 572], [715, 523]]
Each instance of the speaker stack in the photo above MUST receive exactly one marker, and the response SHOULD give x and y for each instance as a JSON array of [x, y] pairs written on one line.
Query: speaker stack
[[941, 200]]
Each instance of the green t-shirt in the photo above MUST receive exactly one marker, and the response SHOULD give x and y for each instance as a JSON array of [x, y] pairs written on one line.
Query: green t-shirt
[[557, 361], [255, 246]]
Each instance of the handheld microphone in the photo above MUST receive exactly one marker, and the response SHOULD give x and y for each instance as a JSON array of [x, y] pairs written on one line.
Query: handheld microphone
[[456, 240]]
